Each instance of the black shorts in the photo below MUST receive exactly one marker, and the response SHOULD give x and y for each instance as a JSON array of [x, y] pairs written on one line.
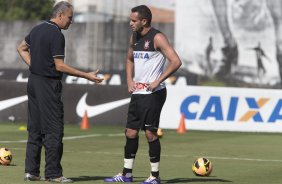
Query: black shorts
[[145, 109]]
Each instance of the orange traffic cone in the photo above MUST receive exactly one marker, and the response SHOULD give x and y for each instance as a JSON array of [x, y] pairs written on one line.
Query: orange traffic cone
[[84, 123], [181, 128]]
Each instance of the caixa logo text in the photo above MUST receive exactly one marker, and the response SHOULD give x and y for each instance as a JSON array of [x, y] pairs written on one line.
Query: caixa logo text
[[141, 55], [213, 108]]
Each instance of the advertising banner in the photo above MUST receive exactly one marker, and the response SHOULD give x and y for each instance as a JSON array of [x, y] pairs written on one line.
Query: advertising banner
[[223, 109], [104, 104], [204, 108]]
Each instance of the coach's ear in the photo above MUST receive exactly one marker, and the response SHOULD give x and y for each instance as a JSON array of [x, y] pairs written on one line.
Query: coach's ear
[[144, 22], [59, 15]]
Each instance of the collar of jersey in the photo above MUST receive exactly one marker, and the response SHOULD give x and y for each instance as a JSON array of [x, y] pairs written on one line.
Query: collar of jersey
[[53, 23]]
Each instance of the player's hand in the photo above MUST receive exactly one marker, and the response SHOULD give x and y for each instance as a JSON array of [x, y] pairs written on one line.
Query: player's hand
[[152, 86], [93, 77], [131, 86]]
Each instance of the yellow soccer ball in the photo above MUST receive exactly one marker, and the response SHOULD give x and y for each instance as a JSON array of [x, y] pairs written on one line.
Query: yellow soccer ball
[[160, 133], [202, 167], [5, 156]]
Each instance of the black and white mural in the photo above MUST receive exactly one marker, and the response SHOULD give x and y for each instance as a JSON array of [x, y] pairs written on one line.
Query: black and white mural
[[238, 40]]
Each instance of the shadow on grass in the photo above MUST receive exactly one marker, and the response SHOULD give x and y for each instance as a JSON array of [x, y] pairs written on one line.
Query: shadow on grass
[[190, 180], [95, 178], [140, 179], [88, 178], [10, 165]]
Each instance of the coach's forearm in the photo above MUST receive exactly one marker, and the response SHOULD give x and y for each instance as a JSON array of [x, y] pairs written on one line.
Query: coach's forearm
[[64, 68], [23, 51], [25, 57]]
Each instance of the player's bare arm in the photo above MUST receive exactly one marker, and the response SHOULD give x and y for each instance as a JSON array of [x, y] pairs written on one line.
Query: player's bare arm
[[130, 68], [162, 44], [23, 50], [62, 67]]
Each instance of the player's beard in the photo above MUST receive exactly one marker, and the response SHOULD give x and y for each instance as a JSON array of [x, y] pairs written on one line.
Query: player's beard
[[138, 29]]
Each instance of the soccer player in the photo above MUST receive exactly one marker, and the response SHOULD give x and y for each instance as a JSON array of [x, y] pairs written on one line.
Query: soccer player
[[148, 51], [43, 51], [260, 54], [208, 51]]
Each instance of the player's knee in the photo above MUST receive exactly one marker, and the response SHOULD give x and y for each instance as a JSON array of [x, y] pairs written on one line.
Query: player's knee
[[131, 134], [151, 136]]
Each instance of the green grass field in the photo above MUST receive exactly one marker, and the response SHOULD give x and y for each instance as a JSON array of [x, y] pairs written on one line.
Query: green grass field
[[91, 155]]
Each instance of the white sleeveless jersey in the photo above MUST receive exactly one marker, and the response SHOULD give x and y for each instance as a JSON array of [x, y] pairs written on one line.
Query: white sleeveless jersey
[[148, 62]]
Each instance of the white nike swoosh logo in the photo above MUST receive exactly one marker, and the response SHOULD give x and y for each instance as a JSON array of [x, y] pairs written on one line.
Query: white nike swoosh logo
[[20, 78], [4, 104], [97, 109]]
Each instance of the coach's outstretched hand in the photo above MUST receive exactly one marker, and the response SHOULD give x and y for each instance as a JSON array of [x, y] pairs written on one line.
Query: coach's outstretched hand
[[92, 76]]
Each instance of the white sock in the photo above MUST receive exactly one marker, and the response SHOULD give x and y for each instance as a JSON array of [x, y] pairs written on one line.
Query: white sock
[[128, 163], [155, 166]]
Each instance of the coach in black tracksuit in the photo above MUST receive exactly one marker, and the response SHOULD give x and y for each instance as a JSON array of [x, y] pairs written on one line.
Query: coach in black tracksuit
[[44, 50]]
